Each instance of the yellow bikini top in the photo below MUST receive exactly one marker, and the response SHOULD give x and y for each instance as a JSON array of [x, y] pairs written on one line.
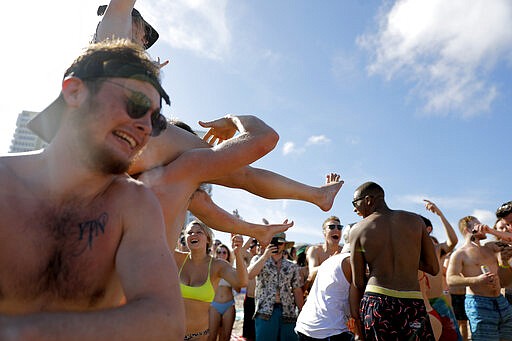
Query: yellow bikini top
[[204, 292]]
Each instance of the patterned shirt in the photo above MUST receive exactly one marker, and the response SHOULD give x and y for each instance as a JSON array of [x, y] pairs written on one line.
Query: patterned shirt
[[269, 281]]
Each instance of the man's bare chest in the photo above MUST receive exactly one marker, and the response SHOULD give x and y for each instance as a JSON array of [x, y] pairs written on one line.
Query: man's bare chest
[[62, 253]]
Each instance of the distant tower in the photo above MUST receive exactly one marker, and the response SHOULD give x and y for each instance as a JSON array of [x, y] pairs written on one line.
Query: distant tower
[[24, 140]]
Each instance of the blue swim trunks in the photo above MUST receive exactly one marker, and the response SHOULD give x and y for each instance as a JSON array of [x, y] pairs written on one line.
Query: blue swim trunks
[[490, 318]]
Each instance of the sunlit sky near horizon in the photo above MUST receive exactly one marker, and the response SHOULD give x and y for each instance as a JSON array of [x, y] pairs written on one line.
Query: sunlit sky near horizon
[[414, 95]]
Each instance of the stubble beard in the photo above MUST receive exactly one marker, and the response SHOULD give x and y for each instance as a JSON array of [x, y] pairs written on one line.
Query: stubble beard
[[97, 156]]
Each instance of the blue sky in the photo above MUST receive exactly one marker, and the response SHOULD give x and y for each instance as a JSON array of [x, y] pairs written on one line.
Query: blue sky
[[414, 95]]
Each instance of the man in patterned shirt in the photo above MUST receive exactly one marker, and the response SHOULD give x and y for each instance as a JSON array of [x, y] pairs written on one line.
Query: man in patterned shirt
[[278, 292]]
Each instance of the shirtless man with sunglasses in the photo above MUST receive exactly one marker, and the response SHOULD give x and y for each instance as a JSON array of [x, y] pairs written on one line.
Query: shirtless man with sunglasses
[[83, 254], [317, 254]]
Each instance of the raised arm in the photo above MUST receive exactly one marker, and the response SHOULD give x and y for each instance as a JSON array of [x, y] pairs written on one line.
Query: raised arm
[[165, 148], [452, 239], [504, 236], [148, 276], [117, 21], [255, 139], [238, 276], [257, 265], [202, 206]]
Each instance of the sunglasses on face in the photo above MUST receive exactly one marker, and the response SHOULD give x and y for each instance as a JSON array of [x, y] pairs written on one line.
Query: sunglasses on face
[[138, 105], [356, 200], [335, 226], [222, 252]]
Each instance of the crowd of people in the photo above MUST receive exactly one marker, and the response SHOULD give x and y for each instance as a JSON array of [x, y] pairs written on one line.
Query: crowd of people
[[93, 247], [429, 290]]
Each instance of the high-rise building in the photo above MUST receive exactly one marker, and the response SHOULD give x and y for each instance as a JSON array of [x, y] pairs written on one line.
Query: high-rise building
[[24, 140]]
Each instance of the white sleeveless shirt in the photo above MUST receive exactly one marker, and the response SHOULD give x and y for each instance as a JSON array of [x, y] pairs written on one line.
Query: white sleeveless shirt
[[327, 309]]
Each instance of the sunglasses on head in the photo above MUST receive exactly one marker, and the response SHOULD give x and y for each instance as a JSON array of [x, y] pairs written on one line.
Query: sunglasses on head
[[138, 104], [335, 226], [504, 210]]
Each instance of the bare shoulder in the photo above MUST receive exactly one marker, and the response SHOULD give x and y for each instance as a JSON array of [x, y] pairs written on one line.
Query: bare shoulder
[[180, 256], [409, 216], [133, 200], [313, 250], [4, 169], [220, 264], [357, 229], [17, 162], [458, 254], [124, 184]]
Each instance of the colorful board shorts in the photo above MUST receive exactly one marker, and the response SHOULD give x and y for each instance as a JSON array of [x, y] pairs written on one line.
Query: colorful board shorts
[[389, 314], [450, 325], [490, 318]]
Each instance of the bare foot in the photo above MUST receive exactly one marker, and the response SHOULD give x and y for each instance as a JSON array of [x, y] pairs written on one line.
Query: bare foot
[[264, 233], [328, 192]]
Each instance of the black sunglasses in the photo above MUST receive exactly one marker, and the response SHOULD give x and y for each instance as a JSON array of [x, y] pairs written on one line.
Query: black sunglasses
[[335, 226], [138, 104], [356, 200]]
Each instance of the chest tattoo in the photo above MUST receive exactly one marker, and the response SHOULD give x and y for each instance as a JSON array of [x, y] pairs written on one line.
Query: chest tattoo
[[90, 229]]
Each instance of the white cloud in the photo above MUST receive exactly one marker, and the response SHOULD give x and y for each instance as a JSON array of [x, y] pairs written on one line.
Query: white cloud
[[446, 48], [465, 202], [290, 148], [196, 25], [485, 216], [318, 139]]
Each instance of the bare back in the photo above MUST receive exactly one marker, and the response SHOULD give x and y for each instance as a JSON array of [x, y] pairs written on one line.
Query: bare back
[[392, 247]]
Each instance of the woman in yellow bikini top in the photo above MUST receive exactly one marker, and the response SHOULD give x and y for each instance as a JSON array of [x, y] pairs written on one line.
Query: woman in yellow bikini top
[[203, 293], [200, 274]]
